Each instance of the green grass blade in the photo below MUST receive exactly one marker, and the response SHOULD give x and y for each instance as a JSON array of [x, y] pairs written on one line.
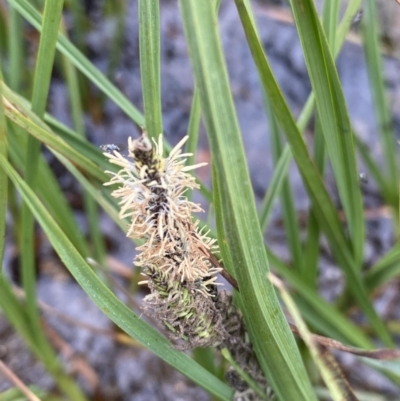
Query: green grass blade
[[312, 243], [274, 344], [325, 210], [26, 120], [149, 49], [375, 170], [288, 208], [118, 312], [370, 32], [220, 217], [353, 7], [385, 269], [320, 313], [3, 177], [193, 133], [16, 49], [49, 191], [98, 194], [45, 57], [41, 84], [330, 16], [78, 120], [81, 63], [337, 385], [275, 185], [390, 369], [335, 122]]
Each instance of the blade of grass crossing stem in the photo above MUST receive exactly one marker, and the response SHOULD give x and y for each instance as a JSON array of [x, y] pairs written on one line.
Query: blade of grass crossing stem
[[78, 121], [336, 383], [287, 203], [325, 210], [334, 119], [73, 138], [370, 31], [18, 317], [331, 321], [3, 177], [274, 343], [118, 312], [41, 84], [81, 63], [149, 48]]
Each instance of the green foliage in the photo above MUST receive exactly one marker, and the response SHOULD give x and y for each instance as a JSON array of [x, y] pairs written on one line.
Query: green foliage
[[25, 127]]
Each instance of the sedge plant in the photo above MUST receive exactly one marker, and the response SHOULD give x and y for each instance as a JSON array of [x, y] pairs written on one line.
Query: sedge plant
[[148, 194]]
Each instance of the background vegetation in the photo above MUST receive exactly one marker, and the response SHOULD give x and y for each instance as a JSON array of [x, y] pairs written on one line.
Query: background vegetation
[[30, 191]]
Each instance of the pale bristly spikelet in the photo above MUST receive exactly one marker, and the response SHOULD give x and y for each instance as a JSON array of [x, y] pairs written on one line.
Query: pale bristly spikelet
[[175, 255]]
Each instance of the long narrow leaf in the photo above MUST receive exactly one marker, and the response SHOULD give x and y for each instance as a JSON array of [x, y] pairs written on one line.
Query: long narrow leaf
[[78, 119], [149, 48], [274, 344], [24, 120], [287, 203], [335, 122], [3, 178], [335, 382], [375, 71], [387, 268], [41, 85], [275, 186], [50, 192], [330, 14]]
